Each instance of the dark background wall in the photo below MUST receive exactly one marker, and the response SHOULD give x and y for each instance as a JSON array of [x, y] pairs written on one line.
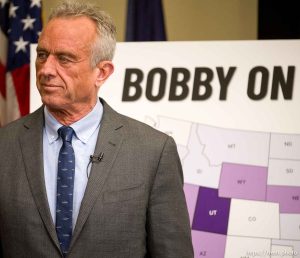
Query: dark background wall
[[279, 19], [215, 19], [191, 19]]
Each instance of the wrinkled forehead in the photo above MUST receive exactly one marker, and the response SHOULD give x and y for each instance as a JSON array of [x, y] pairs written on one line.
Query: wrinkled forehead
[[68, 32]]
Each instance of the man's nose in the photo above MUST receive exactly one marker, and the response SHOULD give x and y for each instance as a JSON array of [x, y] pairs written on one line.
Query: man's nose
[[48, 68]]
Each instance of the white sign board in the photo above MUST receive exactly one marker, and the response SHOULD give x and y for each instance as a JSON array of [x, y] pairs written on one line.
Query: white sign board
[[261, 60], [233, 109]]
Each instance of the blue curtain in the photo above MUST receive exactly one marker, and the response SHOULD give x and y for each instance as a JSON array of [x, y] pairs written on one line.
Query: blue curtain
[[145, 21]]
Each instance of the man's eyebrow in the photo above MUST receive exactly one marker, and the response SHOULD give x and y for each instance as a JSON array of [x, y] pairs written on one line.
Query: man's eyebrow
[[41, 49], [58, 53], [65, 53]]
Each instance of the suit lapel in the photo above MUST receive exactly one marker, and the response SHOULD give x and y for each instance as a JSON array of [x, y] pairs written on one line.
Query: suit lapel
[[31, 143], [109, 142]]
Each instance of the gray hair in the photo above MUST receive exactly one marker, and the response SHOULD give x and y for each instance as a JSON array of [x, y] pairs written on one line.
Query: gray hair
[[104, 46]]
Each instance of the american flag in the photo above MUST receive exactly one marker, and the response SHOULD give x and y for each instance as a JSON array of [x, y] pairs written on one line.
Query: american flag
[[21, 23]]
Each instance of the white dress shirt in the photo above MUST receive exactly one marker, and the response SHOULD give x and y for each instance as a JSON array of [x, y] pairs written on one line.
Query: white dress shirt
[[83, 142]]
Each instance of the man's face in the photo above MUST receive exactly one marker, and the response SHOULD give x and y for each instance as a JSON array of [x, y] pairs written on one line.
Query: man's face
[[65, 78]]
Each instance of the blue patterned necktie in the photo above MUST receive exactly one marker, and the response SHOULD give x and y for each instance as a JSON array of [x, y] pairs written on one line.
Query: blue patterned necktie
[[65, 187]]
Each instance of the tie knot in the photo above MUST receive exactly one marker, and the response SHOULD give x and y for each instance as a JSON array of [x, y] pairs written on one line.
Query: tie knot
[[66, 133]]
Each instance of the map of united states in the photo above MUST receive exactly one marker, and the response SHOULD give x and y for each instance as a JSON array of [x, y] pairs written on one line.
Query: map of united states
[[242, 189]]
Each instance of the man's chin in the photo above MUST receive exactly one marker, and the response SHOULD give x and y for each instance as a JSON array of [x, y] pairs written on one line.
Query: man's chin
[[53, 103]]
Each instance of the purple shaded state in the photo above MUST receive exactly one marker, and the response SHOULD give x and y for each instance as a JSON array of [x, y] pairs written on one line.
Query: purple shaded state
[[212, 212], [288, 198], [191, 194], [243, 181], [208, 245]]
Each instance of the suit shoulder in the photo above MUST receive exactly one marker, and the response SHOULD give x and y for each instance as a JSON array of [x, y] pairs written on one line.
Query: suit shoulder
[[142, 132], [136, 132], [15, 128], [12, 127]]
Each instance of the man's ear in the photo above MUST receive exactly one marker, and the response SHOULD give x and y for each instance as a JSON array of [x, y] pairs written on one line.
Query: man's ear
[[104, 70]]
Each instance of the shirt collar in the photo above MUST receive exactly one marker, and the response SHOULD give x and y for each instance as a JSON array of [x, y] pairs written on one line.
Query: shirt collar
[[84, 128]]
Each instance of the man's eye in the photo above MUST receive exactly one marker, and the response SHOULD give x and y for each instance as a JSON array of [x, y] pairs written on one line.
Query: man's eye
[[63, 59], [42, 56]]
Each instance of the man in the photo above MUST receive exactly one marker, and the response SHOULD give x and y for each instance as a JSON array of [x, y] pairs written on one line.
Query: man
[[78, 179]]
